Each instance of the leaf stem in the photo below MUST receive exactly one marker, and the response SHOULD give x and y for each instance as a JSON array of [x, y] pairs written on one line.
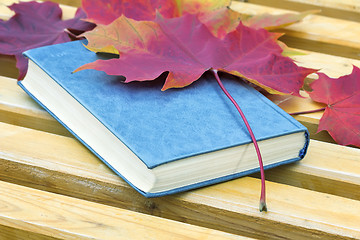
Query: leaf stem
[[262, 206], [309, 111]]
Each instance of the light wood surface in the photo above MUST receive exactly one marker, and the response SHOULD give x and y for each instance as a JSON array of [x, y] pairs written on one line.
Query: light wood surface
[[52, 187], [347, 9], [48, 215], [17, 108], [70, 169]]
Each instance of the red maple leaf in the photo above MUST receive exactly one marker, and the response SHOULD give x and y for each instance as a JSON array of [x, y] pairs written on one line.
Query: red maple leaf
[[342, 114], [35, 25], [215, 13], [186, 49]]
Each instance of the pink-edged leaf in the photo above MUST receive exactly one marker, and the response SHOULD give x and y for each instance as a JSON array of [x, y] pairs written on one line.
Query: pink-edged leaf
[[224, 20], [106, 11], [271, 21], [215, 13], [186, 49], [34, 25], [342, 114], [198, 6], [220, 21]]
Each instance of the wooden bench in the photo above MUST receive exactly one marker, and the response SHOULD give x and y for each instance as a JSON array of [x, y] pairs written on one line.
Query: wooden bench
[[51, 187]]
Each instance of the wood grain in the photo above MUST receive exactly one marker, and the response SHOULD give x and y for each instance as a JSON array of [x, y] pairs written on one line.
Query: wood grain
[[74, 3], [52, 215], [347, 9], [327, 168], [10, 233], [62, 165], [8, 66], [17, 108]]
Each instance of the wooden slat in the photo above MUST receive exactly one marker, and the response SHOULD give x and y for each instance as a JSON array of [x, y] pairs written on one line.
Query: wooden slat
[[347, 9], [314, 33], [9, 233], [17, 108], [8, 66], [48, 215], [333, 66], [350, 5], [74, 3], [68, 154], [61, 164], [327, 168]]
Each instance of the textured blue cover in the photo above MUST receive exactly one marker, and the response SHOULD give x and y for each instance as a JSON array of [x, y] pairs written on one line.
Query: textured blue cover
[[160, 127]]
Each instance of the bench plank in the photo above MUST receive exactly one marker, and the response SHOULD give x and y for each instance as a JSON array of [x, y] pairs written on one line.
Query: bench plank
[[333, 66], [17, 108], [11, 233], [61, 164], [327, 168], [8, 66], [347, 9], [52, 215]]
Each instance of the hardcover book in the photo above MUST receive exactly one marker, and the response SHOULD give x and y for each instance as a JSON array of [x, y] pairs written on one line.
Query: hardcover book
[[161, 142]]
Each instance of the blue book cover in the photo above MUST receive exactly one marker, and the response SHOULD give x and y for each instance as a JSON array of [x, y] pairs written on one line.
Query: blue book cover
[[161, 142]]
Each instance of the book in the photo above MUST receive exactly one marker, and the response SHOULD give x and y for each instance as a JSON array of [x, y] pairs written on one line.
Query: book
[[161, 142]]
